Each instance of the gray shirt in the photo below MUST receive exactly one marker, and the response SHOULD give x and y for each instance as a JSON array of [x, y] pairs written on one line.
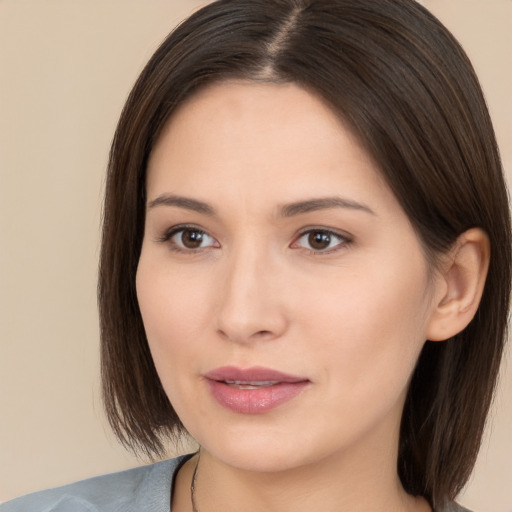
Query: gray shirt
[[143, 489]]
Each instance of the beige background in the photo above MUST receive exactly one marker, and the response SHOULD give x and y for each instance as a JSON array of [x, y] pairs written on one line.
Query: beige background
[[66, 67]]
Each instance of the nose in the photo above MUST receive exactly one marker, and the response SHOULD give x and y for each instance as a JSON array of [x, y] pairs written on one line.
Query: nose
[[251, 299]]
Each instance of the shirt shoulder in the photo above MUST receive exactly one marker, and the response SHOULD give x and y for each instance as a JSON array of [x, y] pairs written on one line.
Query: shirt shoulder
[[145, 488], [449, 507]]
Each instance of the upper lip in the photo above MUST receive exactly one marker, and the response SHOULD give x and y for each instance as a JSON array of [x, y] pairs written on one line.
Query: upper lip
[[251, 375]]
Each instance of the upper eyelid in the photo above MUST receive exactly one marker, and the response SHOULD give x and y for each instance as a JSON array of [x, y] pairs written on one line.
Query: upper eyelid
[[181, 227], [331, 231]]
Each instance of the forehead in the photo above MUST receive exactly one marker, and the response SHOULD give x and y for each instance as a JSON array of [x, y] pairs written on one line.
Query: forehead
[[235, 107], [252, 125], [240, 98]]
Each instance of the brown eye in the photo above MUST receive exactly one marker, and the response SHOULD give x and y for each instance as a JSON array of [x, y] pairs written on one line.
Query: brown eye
[[318, 240], [190, 239], [322, 240]]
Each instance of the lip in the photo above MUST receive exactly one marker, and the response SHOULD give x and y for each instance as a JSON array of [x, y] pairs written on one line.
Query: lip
[[253, 390]]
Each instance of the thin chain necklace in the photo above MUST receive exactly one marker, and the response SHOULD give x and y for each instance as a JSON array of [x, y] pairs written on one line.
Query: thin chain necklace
[[193, 485]]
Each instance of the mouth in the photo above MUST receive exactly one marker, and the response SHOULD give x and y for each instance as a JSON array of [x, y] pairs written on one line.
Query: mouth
[[240, 384], [253, 390]]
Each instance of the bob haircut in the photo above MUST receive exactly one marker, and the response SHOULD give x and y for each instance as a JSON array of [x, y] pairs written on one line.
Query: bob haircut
[[401, 82]]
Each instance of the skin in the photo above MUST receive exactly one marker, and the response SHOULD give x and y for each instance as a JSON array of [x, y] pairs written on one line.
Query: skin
[[351, 318]]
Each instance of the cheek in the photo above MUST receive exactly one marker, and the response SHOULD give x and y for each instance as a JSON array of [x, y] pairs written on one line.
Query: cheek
[[170, 307], [370, 328]]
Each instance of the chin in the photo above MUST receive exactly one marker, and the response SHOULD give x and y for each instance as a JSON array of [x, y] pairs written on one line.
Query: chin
[[264, 452], [253, 449]]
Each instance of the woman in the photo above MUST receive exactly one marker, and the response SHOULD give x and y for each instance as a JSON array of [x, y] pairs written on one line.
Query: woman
[[300, 195]]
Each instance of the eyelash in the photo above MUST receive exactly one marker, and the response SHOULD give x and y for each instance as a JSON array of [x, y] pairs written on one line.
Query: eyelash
[[344, 239], [170, 233]]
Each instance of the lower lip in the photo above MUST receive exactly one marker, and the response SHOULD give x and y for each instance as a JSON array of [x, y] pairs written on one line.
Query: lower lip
[[255, 401]]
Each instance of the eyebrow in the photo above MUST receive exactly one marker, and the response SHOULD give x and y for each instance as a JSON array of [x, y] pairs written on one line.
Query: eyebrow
[[183, 202], [322, 203], [287, 210]]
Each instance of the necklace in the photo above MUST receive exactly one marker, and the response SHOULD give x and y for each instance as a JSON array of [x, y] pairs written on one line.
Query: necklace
[[193, 485]]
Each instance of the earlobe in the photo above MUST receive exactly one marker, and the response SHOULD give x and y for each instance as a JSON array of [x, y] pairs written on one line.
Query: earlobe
[[460, 284]]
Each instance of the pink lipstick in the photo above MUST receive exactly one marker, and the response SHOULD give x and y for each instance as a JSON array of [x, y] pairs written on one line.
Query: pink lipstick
[[253, 390]]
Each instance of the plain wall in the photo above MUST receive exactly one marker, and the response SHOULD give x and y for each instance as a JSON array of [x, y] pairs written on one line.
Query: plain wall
[[66, 67]]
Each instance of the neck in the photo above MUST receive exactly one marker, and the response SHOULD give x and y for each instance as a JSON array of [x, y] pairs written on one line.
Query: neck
[[339, 483], [311, 488]]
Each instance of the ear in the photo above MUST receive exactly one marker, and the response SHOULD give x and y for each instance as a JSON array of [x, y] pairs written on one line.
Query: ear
[[459, 285]]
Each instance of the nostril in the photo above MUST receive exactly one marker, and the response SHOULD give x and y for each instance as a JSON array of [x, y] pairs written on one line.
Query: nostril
[[222, 333], [262, 333]]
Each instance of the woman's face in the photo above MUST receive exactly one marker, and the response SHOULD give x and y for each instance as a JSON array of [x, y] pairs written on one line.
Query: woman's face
[[284, 293]]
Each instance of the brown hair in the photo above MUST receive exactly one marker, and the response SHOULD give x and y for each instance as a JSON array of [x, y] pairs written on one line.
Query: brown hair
[[408, 91]]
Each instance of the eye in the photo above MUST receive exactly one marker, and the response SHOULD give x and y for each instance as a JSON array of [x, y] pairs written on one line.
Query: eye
[[321, 240], [188, 238]]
